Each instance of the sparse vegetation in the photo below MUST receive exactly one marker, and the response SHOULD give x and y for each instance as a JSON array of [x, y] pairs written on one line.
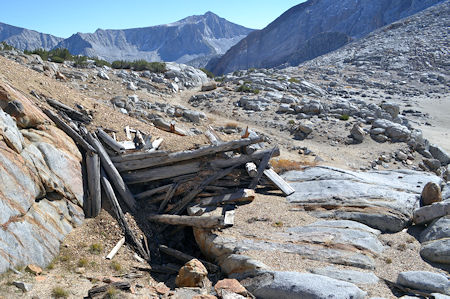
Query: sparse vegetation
[[294, 80], [83, 262], [140, 65], [6, 46], [116, 266], [344, 117], [246, 88], [112, 293], [388, 260], [59, 292], [96, 248], [208, 73], [278, 224], [231, 125], [283, 165]]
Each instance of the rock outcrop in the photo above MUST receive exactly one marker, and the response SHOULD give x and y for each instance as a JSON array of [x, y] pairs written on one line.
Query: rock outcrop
[[41, 187], [25, 39], [311, 29]]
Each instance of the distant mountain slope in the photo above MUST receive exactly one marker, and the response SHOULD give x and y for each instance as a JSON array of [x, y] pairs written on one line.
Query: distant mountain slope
[[192, 38], [25, 39], [416, 47], [312, 29]]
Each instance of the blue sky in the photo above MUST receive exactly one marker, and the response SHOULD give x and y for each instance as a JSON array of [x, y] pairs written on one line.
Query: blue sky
[[63, 18]]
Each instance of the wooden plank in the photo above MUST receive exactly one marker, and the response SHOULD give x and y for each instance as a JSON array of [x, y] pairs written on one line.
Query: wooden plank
[[119, 184], [108, 140], [94, 187], [168, 197], [241, 159], [181, 256], [127, 132], [168, 127], [73, 114], [279, 182], [116, 248], [121, 218], [194, 221], [241, 196], [261, 167], [138, 155], [182, 204], [69, 131], [214, 139], [151, 192], [184, 155], [154, 174]]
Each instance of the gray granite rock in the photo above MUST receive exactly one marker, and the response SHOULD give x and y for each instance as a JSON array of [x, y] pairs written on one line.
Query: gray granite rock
[[352, 276], [428, 213], [438, 229], [423, 280], [290, 285], [439, 154], [437, 251], [386, 199]]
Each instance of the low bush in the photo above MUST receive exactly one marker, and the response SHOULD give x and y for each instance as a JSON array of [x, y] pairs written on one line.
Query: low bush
[[247, 88], [208, 73], [59, 292]]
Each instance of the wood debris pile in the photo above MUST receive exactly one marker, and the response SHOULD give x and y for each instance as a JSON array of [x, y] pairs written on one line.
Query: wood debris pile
[[173, 188]]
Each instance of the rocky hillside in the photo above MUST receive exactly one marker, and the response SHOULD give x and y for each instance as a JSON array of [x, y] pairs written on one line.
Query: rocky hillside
[[312, 29], [188, 39], [25, 39]]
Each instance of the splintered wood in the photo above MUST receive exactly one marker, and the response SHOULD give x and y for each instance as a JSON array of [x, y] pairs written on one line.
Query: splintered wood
[[168, 188]]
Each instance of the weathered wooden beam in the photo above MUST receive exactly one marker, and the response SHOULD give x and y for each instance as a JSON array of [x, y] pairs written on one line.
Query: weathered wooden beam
[[261, 167], [279, 182], [156, 144], [154, 174], [241, 159], [241, 196], [108, 140], [195, 221], [116, 248], [94, 187], [113, 174], [168, 127], [151, 192], [138, 155], [121, 218], [73, 114], [69, 131], [168, 197], [184, 155], [182, 204], [181, 256], [214, 139]]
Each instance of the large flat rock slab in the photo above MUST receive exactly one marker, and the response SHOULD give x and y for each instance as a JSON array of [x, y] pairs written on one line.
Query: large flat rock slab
[[384, 200], [340, 242]]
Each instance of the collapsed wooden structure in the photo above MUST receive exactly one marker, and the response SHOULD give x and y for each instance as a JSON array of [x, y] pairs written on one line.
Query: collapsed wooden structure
[[174, 188]]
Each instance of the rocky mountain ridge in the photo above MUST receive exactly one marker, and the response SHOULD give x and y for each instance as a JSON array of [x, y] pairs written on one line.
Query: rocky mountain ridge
[[313, 28], [193, 39], [25, 39]]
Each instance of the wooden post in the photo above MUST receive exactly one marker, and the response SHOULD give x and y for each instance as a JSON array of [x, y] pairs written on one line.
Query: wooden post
[[69, 131], [93, 181], [121, 218], [113, 174], [261, 167], [168, 197], [251, 169], [165, 172], [241, 196], [151, 192], [73, 114], [114, 145]]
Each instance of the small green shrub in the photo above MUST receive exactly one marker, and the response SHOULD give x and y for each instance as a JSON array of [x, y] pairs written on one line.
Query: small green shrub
[[246, 88], [96, 248], [111, 293], [57, 59], [7, 47], [344, 117], [83, 262], [116, 266], [208, 73], [100, 62], [294, 80], [59, 292], [80, 61], [140, 65]]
